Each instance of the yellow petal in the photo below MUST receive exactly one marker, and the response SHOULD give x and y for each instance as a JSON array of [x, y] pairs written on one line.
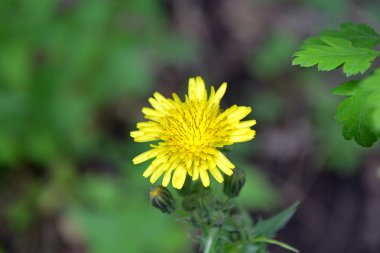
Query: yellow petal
[[205, 178], [139, 136], [245, 137], [247, 123], [195, 174], [176, 98], [200, 89], [241, 131], [159, 97], [214, 171], [224, 164], [220, 92], [191, 89], [150, 112], [167, 177], [179, 177], [224, 160], [146, 156], [156, 174], [135, 134], [216, 174], [225, 169], [156, 105], [149, 170], [240, 113], [212, 96]]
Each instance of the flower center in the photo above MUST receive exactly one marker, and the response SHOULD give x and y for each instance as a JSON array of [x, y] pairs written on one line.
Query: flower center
[[191, 127]]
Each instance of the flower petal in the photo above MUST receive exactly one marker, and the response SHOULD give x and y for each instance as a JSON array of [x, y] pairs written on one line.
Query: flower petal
[[146, 156], [220, 93], [179, 177], [167, 177], [205, 178]]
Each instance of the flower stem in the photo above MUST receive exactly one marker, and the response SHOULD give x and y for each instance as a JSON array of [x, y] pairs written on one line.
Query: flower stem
[[210, 239]]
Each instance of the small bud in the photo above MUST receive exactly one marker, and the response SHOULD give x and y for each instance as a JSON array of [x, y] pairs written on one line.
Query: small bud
[[161, 198], [234, 183]]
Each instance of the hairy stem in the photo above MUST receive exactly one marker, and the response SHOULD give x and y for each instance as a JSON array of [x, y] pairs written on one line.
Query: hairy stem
[[210, 239]]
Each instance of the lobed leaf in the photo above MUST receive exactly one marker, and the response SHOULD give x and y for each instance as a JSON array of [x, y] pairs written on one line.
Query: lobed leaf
[[357, 113], [353, 113], [376, 117], [346, 88], [335, 52], [360, 35]]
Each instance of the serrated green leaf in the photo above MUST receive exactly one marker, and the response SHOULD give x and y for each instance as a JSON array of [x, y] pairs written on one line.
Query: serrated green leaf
[[356, 113], [313, 41], [269, 227], [360, 35], [353, 113], [376, 117], [346, 88], [337, 52]]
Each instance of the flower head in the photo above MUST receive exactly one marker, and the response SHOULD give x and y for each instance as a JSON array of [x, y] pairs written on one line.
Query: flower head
[[189, 134]]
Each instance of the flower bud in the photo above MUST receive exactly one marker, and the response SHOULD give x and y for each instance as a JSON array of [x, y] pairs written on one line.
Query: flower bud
[[234, 183], [161, 198]]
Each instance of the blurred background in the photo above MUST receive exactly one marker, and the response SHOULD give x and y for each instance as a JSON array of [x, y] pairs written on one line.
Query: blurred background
[[74, 75]]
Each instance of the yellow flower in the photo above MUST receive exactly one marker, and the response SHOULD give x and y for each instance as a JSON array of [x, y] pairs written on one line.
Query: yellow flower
[[190, 133]]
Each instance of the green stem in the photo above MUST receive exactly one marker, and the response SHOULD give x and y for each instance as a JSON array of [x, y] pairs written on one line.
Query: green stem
[[210, 239]]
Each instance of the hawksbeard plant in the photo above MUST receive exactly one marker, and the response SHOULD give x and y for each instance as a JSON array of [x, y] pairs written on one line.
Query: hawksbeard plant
[[188, 136]]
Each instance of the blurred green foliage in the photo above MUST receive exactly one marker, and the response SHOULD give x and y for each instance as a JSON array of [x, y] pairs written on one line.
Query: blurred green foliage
[[258, 193], [269, 106], [338, 7], [273, 58], [64, 59], [339, 155], [119, 220], [62, 62]]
